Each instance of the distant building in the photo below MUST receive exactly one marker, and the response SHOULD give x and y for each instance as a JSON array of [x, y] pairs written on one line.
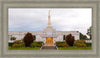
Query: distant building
[[49, 35]]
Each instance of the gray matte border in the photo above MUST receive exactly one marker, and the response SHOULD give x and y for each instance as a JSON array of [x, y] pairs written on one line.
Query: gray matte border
[[6, 22], [47, 53]]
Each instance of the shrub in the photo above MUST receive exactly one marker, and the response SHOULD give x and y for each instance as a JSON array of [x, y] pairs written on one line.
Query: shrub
[[88, 44], [13, 38], [36, 44], [65, 45], [16, 45], [28, 39], [62, 44], [39, 42], [70, 40], [10, 44], [59, 45], [80, 43], [17, 41]]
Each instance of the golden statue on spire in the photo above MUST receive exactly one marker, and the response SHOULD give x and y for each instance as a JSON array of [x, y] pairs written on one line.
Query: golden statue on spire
[[49, 12], [49, 23]]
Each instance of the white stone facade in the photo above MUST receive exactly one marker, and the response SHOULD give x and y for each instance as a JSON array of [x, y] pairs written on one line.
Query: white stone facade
[[41, 35]]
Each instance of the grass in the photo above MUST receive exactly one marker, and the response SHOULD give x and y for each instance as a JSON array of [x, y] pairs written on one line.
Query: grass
[[74, 48], [24, 48], [59, 48]]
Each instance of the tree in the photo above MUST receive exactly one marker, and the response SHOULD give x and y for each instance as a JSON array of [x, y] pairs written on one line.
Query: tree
[[83, 36], [89, 32], [70, 39], [28, 39], [13, 38]]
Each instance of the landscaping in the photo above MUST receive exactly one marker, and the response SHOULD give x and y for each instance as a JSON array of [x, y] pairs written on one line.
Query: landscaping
[[71, 44], [29, 43], [21, 46], [74, 48], [77, 46], [24, 48]]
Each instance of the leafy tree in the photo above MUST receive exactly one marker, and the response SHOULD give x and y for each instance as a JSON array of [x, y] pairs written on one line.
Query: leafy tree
[[13, 38], [83, 36], [89, 32], [28, 39], [70, 39]]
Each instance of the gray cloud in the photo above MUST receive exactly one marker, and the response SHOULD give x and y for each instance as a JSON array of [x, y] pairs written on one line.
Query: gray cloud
[[62, 19]]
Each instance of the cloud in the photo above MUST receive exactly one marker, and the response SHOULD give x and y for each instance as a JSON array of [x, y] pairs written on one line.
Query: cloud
[[62, 19]]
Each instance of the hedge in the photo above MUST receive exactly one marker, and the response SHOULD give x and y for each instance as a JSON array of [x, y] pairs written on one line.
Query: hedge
[[88, 44], [18, 45], [10, 44], [80, 43], [62, 44], [36, 44]]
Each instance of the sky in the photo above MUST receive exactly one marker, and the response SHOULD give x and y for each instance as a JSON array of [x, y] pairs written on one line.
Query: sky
[[62, 19]]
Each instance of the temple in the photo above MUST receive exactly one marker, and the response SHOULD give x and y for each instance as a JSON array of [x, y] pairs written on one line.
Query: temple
[[49, 35]]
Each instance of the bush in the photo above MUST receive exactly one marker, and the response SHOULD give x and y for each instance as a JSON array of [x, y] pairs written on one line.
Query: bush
[[70, 40], [80, 43], [10, 44], [62, 44], [65, 45], [13, 38], [28, 39], [39, 42], [17, 41], [36, 44], [16, 45], [88, 44]]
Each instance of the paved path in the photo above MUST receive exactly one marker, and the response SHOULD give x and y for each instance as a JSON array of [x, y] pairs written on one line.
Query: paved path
[[49, 48]]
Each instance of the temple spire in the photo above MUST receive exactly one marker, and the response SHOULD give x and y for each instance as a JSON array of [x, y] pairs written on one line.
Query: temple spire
[[49, 23], [49, 28]]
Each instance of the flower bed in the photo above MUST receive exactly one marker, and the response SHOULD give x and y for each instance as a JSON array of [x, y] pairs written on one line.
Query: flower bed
[[61, 44], [37, 44], [80, 43]]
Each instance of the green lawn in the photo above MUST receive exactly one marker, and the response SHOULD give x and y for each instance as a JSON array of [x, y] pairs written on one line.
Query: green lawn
[[74, 48], [25, 48], [59, 48]]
